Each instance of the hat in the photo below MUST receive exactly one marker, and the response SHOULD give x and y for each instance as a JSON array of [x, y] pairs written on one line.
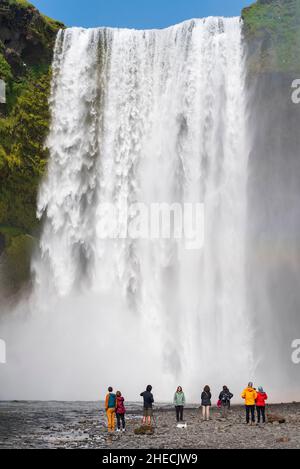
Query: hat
[[261, 389], [250, 385]]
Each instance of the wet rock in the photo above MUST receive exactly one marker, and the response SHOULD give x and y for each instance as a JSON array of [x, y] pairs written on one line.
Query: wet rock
[[274, 418], [285, 439], [144, 430]]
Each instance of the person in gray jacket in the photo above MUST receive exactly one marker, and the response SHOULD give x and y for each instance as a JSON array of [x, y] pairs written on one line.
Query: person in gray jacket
[[179, 402]]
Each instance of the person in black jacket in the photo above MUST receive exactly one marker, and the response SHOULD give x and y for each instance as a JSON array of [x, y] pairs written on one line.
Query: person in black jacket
[[206, 402], [148, 405], [225, 397]]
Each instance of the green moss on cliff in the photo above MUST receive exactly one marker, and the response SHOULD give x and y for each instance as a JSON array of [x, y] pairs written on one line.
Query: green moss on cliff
[[26, 48], [5, 69], [16, 262], [272, 29], [23, 156], [9, 233]]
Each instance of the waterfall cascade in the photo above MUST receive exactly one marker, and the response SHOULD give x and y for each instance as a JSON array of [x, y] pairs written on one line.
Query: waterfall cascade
[[154, 116]]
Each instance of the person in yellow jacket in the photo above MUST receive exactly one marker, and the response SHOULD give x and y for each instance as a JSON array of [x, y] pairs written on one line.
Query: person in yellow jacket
[[249, 395], [110, 407]]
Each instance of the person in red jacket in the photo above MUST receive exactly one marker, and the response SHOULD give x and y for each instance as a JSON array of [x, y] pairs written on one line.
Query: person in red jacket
[[120, 411], [261, 405]]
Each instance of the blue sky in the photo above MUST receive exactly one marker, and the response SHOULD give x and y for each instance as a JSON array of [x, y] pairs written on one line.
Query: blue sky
[[139, 14]]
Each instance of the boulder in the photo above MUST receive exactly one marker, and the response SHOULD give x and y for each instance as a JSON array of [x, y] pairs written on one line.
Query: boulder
[[144, 430], [273, 418]]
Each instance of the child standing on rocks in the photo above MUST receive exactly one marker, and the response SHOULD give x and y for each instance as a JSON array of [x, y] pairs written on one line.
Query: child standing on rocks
[[120, 411], [206, 402], [261, 405], [110, 407], [179, 402]]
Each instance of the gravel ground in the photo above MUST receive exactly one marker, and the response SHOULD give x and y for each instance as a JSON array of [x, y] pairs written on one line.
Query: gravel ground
[[82, 425]]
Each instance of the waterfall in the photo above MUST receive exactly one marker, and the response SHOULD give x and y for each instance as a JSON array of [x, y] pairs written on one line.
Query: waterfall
[[155, 116]]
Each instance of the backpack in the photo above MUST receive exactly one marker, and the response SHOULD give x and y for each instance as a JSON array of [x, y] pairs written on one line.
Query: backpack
[[226, 396], [111, 401]]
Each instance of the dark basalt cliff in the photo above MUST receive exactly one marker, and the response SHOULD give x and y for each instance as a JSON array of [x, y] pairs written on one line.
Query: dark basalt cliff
[[272, 39], [26, 36], [26, 47]]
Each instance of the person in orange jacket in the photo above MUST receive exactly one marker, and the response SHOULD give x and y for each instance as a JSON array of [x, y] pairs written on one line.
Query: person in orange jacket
[[249, 395], [261, 405], [110, 408]]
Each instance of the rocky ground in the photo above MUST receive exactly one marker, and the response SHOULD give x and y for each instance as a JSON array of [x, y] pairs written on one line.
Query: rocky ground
[[82, 425]]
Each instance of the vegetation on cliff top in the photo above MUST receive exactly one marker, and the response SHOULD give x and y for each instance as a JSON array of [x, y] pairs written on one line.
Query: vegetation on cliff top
[[272, 31], [53, 24]]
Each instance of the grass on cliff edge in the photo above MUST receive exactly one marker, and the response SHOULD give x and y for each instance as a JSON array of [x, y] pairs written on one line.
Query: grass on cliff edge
[[277, 25], [21, 3], [53, 24]]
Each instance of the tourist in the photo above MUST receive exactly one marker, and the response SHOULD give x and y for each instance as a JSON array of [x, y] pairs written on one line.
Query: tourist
[[249, 395], [148, 405], [110, 407], [225, 397], [206, 402], [179, 402], [261, 404], [120, 411]]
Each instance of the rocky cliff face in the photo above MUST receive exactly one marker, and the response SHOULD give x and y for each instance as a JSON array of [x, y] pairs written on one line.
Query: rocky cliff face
[[272, 36], [271, 29], [26, 36], [26, 47]]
